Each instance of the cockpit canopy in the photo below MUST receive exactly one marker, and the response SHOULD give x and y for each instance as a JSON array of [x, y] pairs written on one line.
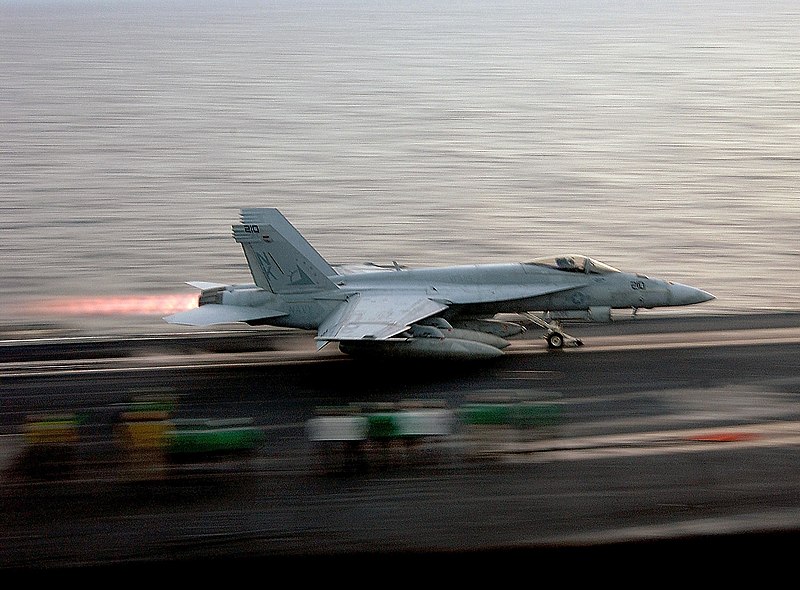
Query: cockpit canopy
[[575, 263]]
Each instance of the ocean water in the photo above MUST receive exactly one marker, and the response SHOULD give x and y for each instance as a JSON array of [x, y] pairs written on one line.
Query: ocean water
[[660, 137]]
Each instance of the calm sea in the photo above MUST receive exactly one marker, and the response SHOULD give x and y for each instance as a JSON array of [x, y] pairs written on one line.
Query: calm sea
[[661, 137]]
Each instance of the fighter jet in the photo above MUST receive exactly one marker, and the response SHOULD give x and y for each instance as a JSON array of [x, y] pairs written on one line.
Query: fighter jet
[[446, 312]]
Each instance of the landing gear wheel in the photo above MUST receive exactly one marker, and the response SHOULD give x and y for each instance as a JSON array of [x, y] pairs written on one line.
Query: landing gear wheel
[[555, 340]]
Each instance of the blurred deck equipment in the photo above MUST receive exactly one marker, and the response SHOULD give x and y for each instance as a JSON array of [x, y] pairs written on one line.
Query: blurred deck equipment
[[50, 446], [139, 441], [193, 440], [156, 445], [357, 436], [495, 427]]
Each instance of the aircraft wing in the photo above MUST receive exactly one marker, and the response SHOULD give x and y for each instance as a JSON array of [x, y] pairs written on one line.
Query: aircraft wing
[[214, 313], [377, 316], [463, 294]]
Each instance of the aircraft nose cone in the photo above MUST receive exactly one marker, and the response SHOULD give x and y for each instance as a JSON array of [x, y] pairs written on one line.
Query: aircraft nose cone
[[686, 295]]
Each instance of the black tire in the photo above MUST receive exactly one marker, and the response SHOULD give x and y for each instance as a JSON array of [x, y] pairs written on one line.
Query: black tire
[[555, 340]]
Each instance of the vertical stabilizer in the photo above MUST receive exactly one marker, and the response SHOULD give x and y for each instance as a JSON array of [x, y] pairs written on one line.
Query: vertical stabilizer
[[280, 259]]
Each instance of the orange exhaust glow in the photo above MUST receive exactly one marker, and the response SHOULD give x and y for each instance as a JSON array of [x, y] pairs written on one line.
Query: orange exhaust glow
[[115, 305]]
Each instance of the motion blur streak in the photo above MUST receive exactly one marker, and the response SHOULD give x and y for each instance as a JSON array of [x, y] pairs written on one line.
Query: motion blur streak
[[128, 305]]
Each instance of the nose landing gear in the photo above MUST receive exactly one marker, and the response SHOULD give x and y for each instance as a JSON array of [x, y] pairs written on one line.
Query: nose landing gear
[[555, 340], [558, 340], [556, 337]]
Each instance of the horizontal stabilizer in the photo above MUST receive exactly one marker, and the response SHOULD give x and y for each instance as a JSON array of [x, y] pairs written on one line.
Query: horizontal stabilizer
[[212, 313], [205, 285]]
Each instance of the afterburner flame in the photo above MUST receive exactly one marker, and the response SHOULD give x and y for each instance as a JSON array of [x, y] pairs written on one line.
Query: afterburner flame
[[115, 305]]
